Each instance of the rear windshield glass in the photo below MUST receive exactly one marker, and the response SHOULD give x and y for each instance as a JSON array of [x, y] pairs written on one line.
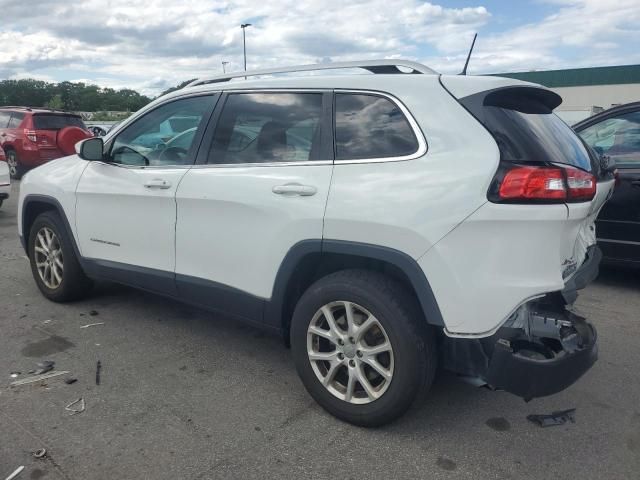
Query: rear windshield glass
[[527, 131], [56, 122]]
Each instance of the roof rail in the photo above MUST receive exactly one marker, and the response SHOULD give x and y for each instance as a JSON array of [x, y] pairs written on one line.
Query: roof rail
[[373, 66]]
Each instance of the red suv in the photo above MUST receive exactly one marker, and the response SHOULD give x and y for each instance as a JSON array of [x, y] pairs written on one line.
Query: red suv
[[33, 136]]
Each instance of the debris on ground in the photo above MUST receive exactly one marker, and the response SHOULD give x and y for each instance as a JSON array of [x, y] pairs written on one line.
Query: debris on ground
[[15, 473], [44, 367], [93, 313], [79, 409], [69, 381], [556, 418], [40, 453], [37, 378], [91, 325], [47, 321], [98, 368], [14, 374]]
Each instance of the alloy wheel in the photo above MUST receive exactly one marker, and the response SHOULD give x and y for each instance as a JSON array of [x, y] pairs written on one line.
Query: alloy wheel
[[350, 352], [12, 161], [48, 258]]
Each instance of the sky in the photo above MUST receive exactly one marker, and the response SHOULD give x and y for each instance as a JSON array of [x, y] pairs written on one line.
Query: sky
[[150, 45]]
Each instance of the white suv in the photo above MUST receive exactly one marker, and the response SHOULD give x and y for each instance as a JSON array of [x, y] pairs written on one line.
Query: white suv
[[384, 223]]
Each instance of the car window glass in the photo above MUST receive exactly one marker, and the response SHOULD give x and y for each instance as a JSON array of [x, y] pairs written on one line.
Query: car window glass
[[164, 136], [371, 126], [52, 121], [4, 119], [16, 120], [618, 137], [268, 127]]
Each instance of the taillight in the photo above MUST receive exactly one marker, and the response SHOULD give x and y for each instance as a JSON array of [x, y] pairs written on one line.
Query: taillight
[[541, 184], [31, 135]]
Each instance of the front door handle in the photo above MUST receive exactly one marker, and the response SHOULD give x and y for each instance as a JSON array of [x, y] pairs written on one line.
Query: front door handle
[[295, 189], [157, 183]]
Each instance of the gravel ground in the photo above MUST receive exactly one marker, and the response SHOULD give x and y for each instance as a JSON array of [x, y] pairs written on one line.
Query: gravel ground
[[186, 394]]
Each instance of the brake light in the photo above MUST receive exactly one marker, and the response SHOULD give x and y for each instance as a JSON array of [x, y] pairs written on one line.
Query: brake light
[[31, 135], [542, 184]]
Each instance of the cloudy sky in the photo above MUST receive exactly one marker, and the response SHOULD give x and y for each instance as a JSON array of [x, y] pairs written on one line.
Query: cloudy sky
[[149, 45]]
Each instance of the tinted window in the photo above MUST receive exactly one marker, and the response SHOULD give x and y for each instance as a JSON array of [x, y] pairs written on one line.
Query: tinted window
[[56, 122], [164, 136], [268, 127], [4, 119], [370, 126], [16, 119], [618, 137]]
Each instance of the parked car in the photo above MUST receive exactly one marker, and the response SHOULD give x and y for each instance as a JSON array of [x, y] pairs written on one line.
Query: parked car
[[5, 180], [33, 136], [382, 223], [616, 134]]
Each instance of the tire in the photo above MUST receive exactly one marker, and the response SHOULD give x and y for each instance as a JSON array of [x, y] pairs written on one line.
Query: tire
[[16, 169], [411, 360], [72, 283]]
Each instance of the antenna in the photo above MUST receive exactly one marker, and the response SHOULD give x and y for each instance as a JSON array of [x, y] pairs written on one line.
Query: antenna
[[466, 64]]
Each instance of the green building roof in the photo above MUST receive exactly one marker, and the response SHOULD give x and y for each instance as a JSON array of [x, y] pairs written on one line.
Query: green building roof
[[575, 77]]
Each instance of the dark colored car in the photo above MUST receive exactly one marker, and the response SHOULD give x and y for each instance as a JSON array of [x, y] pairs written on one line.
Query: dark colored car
[[616, 133], [33, 136]]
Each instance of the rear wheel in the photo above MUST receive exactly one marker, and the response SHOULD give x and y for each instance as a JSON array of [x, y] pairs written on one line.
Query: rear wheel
[[54, 264], [361, 347], [16, 169]]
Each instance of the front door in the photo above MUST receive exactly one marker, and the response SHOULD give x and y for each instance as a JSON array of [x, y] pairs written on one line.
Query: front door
[[126, 209], [618, 226], [261, 189]]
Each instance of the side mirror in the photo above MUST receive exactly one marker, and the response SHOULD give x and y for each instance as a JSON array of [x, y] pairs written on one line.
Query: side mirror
[[91, 149]]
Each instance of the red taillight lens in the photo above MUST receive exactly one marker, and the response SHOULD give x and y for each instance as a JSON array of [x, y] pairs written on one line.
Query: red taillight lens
[[533, 183], [31, 135], [582, 185]]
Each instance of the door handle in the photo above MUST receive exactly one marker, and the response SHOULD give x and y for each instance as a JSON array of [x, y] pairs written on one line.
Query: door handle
[[295, 189], [157, 183]]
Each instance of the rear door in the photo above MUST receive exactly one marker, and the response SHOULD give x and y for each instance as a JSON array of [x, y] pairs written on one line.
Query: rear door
[[618, 136], [260, 187]]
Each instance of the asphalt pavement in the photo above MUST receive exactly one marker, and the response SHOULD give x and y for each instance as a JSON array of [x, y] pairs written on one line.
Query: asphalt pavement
[[185, 394]]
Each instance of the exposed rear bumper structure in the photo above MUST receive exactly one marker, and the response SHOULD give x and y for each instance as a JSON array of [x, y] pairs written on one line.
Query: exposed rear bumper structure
[[541, 350]]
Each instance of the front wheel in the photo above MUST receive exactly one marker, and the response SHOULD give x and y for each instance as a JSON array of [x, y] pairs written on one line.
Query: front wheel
[[361, 347], [54, 264]]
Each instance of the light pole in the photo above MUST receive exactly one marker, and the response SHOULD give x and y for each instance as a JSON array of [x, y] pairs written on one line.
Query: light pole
[[224, 64], [244, 44]]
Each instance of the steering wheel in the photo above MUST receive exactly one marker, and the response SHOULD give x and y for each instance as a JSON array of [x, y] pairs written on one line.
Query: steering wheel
[[173, 154]]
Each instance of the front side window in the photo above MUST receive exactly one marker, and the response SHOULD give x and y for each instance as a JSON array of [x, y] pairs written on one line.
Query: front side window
[[618, 137], [16, 120], [268, 127], [371, 126], [164, 136]]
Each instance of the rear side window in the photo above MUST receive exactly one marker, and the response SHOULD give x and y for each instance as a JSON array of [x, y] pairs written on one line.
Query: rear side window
[[371, 126], [56, 122], [268, 127], [522, 122], [4, 119], [618, 137], [16, 120]]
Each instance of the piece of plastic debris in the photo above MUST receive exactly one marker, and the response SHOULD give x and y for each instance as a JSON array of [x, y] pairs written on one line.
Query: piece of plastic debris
[[40, 453], [80, 408], [15, 473], [37, 378], [14, 374], [69, 381], [47, 321], [91, 325], [44, 367], [556, 418], [98, 368], [93, 313]]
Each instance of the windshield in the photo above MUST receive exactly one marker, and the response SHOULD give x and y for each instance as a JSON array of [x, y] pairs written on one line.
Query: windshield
[[56, 122]]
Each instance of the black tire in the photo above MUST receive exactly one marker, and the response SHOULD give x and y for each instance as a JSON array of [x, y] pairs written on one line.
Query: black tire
[[414, 348], [75, 284], [16, 169]]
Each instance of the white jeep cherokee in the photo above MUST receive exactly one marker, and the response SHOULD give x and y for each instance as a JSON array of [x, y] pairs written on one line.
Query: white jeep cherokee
[[383, 223]]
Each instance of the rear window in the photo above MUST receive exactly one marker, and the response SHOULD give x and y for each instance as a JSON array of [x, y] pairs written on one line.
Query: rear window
[[525, 128], [56, 122]]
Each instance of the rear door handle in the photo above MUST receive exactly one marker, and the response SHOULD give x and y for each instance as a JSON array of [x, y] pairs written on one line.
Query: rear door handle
[[295, 189], [157, 183]]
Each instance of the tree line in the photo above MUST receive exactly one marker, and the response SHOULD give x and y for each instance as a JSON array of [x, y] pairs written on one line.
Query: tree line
[[73, 96]]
